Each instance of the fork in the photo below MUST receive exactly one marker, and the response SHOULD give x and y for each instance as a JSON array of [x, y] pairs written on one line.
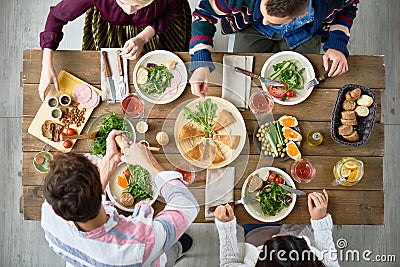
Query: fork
[[315, 81]]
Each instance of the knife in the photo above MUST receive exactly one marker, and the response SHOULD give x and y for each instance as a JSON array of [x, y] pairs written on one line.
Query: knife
[[262, 79], [121, 84], [293, 190], [109, 77]]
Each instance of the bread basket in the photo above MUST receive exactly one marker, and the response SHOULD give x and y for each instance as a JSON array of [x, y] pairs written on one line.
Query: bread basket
[[365, 124]]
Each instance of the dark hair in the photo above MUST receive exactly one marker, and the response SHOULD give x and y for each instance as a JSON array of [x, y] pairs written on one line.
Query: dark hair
[[303, 257], [284, 8], [73, 187]]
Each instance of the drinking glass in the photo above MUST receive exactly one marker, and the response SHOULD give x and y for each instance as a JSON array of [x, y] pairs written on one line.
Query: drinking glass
[[348, 172], [261, 103], [132, 106], [302, 171]]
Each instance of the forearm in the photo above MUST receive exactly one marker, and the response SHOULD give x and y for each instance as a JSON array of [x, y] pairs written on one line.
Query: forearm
[[228, 245], [147, 34], [47, 59], [106, 168]]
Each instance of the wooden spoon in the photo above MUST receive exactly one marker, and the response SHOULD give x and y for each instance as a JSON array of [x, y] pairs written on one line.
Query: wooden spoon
[[92, 135]]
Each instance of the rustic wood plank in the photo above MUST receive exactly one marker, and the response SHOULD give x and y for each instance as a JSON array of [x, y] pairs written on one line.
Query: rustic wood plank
[[374, 146], [367, 70], [341, 205], [322, 100], [372, 179]]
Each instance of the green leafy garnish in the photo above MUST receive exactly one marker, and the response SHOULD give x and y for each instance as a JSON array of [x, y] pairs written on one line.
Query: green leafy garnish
[[110, 123], [139, 183], [288, 73], [159, 78], [203, 115], [273, 198]]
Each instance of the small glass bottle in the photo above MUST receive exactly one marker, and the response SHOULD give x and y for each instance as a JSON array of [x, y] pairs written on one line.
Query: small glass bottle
[[314, 138]]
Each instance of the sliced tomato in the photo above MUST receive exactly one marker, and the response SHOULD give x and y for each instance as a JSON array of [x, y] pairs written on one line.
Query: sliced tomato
[[271, 177], [290, 93], [278, 180], [277, 92], [127, 173]]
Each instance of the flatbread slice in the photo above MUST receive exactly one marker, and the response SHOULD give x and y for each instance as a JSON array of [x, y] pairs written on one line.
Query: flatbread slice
[[218, 158], [194, 153], [230, 140], [188, 131], [224, 119]]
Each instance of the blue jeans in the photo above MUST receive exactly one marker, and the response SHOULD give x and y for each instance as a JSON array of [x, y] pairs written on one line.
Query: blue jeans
[[249, 227]]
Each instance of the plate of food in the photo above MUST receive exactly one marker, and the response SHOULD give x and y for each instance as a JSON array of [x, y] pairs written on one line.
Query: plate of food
[[353, 115], [210, 133], [279, 138], [129, 185], [291, 69], [266, 200], [104, 125], [160, 77]]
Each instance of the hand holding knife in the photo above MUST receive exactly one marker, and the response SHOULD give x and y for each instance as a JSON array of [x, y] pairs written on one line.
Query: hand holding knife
[[109, 76], [256, 76]]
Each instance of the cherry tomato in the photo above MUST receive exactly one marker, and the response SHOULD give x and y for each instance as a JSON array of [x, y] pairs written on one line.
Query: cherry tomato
[[70, 132], [290, 93], [127, 173], [62, 135], [277, 92], [67, 143], [278, 180], [271, 177]]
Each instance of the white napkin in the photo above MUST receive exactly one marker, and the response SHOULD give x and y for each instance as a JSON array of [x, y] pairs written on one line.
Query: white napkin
[[113, 61], [220, 185], [236, 86]]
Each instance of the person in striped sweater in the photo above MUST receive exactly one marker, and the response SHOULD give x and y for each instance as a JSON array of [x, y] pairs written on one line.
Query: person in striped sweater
[[269, 26], [86, 230]]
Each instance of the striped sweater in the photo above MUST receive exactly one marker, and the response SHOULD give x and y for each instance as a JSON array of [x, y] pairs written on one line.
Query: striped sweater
[[333, 20], [137, 240]]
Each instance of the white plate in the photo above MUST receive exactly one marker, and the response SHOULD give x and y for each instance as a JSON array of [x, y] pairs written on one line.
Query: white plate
[[161, 57], [114, 190], [307, 75], [237, 128], [254, 209]]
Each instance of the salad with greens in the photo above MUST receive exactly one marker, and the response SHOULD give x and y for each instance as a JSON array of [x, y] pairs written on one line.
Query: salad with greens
[[273, 198], [288, 73], [139, 183], [158, 79], [111, 122], [204, 115]]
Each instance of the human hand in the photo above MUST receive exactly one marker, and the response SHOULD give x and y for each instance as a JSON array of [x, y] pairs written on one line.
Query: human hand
[[133, 48], [339, 62], [224, 213], [48, 74], [111, 159], [199, 81], [317, 205], [138, 154]]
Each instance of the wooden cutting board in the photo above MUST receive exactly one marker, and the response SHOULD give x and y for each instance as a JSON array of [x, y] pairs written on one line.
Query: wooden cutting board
[[67, 83]]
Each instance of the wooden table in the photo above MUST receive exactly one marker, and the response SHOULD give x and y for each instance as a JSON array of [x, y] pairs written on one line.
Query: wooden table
[[360, 204]]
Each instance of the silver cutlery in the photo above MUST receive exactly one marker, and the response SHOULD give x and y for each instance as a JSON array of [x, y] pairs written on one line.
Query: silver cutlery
[[315, 81], [256, 76], [121, 85], [293, 190]]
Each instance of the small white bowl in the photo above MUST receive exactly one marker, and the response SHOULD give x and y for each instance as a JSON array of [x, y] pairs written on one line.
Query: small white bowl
[[56, 113], [64, 100], [142, 127], [52, 102]]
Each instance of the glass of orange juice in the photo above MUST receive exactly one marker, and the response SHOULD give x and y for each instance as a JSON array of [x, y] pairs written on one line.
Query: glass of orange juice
[[348, 171]]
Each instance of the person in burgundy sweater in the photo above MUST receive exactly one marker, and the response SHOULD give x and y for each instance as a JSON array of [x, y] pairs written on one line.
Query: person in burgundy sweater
[[135, 25]]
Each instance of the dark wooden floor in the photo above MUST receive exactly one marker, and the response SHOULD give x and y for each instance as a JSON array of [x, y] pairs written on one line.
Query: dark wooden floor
[[375, 32]]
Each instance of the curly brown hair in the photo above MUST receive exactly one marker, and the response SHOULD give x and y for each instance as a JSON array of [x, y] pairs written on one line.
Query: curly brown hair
[[286, 8], [73, 187]]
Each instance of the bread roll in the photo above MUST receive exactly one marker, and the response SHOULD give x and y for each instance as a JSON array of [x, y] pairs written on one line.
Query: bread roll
[[355, 93], [353, 137], [348, 122], [365, 100], [349, 115], [345, 130], [362, 111], [349, 105]]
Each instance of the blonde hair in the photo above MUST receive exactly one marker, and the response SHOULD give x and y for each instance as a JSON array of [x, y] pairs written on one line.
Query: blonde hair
[[139, 2]]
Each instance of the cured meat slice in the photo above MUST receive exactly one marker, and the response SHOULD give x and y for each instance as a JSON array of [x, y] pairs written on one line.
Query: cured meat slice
[[93, 102], [171, 90], [82, 93]]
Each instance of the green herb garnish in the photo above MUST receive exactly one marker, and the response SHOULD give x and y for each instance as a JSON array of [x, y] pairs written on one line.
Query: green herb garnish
[[139, 183], [203, 115], [110, 123], [159, 78], [288, 73]]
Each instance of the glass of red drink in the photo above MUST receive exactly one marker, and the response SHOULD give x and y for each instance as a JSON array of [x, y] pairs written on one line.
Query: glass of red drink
[[302, 171], [132, 106], [261, 103]]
